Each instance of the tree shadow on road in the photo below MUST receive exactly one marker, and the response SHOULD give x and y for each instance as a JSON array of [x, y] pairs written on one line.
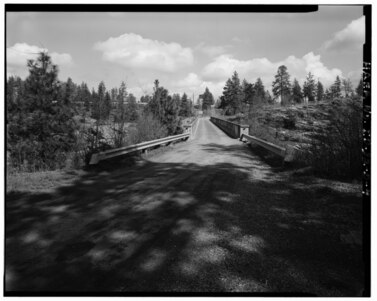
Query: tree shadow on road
[[167, 227], [264, 157]]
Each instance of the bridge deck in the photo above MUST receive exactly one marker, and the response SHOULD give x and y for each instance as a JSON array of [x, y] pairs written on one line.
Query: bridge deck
[[212, 146], [206, 216]]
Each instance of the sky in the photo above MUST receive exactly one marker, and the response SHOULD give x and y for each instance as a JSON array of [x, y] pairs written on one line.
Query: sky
[[188, 52]]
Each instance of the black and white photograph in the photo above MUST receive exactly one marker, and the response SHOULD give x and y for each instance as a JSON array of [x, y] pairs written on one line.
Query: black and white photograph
[[187, 150]]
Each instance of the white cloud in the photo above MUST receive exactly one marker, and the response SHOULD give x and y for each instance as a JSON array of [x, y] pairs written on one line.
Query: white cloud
[[350, 38], [211, 50], [192, 83], [222, 68], [191, 80], [314, 65], [136, 91], [61, 58], [134, 51], [224, 65], [141, 89], [20, 53]]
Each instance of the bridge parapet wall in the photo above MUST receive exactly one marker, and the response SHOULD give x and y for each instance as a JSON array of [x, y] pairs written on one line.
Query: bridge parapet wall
[[234, 130]]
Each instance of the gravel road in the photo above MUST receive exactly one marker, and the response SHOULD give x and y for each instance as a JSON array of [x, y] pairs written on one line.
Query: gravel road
[[206, 216]]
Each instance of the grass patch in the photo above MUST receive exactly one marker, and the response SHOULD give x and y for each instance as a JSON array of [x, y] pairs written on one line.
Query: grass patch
[[41, 180]]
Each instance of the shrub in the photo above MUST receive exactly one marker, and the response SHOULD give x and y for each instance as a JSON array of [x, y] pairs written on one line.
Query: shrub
[[261, 131], [88, 142], [300, 114], [337, 149], [147, 128], [119, 134], [25, 156], [289, 122], [74, 160]]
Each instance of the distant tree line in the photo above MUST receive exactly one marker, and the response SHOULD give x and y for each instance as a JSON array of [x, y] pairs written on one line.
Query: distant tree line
[[238, 97], [48, 119]]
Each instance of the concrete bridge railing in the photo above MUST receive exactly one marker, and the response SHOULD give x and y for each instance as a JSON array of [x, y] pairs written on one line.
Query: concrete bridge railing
[[288, 153], [234, 130]]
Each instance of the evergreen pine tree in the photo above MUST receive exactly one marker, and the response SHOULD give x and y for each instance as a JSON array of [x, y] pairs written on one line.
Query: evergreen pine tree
[[95, 105], [347, 87], [336, 88], [260, 92], [170, 113], [296, 92], [70, 90], [226, 97], [236, 93], [145, 99], [101, 93], [164, 108], [208, 99], [269, 98], [327, 95], [281, 86], [248, 93], [320, 92], [44, 132], [185, 109], [232, 98], [11, 96], [107, 106], [309, 88], [131, 108], [120, 114], [85, 96], [114, 97]]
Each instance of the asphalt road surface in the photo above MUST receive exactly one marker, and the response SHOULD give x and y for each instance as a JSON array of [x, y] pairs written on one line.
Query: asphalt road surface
[[205, 216]]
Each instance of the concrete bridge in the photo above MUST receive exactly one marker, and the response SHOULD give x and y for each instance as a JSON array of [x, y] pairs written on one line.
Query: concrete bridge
[[206, 216]]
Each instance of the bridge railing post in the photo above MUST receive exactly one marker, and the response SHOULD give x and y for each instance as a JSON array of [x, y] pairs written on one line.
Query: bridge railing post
[[188, 129], [244, 129]]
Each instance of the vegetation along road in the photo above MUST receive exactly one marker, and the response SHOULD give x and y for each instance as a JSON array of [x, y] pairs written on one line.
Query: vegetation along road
[[207, 215]]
